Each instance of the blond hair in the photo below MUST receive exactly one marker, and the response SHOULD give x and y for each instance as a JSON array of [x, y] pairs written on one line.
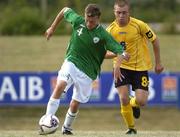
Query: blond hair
[[122, 3]]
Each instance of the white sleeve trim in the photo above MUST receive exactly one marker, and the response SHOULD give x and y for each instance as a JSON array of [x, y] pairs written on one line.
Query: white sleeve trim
[[66, 9]]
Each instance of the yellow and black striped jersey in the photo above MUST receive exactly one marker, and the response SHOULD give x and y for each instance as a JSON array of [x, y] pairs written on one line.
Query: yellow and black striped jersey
[[134, 38]]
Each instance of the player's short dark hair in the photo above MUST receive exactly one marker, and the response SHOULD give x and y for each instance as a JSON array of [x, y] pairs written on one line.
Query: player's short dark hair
[[122, 3], [92, 10]]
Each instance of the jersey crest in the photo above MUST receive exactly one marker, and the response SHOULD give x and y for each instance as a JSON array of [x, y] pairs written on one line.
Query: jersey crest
[[96, 40], [149, 34]]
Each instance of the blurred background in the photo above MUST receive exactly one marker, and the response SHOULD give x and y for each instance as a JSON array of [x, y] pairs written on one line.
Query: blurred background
[[32, 17], [27, 59]]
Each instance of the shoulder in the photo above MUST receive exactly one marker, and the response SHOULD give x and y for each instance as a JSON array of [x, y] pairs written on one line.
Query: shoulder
[[71, 16], [103, 33], [136, 21], [139, 24], [111, 26], [101, 30]]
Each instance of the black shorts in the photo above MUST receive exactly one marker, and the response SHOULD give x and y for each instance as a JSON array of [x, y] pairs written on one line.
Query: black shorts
[[138, 79]]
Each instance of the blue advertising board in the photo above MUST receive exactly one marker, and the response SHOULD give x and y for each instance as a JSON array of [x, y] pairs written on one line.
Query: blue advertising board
[[35, 89]]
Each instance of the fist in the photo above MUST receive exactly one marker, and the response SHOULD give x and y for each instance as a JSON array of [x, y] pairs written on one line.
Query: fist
[[126, 56], [49, 33]]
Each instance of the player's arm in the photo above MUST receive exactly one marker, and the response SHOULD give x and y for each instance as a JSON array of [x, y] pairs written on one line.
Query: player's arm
[[118, 51], [158, 66], [151, 36], [55, 23], [119, 57], [111, 55], [117, 71]]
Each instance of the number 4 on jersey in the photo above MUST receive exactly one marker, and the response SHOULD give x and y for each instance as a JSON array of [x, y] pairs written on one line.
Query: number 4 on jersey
[[79, 31]]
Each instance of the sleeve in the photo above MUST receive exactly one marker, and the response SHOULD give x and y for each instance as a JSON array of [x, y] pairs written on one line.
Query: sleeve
[[147, 32], [112, 45], [71, 16]]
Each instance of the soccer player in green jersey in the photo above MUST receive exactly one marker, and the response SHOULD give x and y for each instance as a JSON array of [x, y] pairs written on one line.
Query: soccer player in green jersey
[[85, 53]]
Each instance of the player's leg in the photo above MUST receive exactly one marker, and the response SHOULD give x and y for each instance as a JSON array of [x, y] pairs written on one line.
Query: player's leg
[[126, 109], [135, 107], [64, 81], [70, 117], [81, 94], [140, 99], [140, 85], [54, 100]]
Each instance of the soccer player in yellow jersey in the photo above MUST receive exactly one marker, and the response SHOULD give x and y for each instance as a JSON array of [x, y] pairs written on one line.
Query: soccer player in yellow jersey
[[133, 35]]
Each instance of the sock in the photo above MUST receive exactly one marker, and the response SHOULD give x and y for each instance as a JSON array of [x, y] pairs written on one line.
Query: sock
[[69, 119], [127, 115], [133, 102], [52, 106]]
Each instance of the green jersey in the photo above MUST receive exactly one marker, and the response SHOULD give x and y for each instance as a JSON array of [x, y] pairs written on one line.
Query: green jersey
[[87, 48]]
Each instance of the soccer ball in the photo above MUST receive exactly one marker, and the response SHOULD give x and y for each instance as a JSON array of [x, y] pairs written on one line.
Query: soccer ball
[[48, 124]]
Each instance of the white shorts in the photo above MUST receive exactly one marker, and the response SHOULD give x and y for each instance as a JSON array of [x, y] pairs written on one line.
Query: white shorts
[[82, 83]]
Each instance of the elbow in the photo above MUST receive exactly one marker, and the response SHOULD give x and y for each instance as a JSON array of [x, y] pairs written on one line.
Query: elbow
[[156, 41], [65, 9]]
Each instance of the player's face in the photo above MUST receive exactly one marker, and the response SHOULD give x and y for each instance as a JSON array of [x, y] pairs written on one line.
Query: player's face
[[121, 14], [91, 22]]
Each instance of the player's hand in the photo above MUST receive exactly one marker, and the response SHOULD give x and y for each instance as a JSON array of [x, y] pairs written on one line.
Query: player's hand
[[126, 56], [49, 33], [159, 68], [117, 74]]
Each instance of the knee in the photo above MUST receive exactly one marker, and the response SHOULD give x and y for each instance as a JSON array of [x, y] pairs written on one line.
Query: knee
[[141, 102], [60, 86], [141, 98], [124, 100], [58, 90]]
